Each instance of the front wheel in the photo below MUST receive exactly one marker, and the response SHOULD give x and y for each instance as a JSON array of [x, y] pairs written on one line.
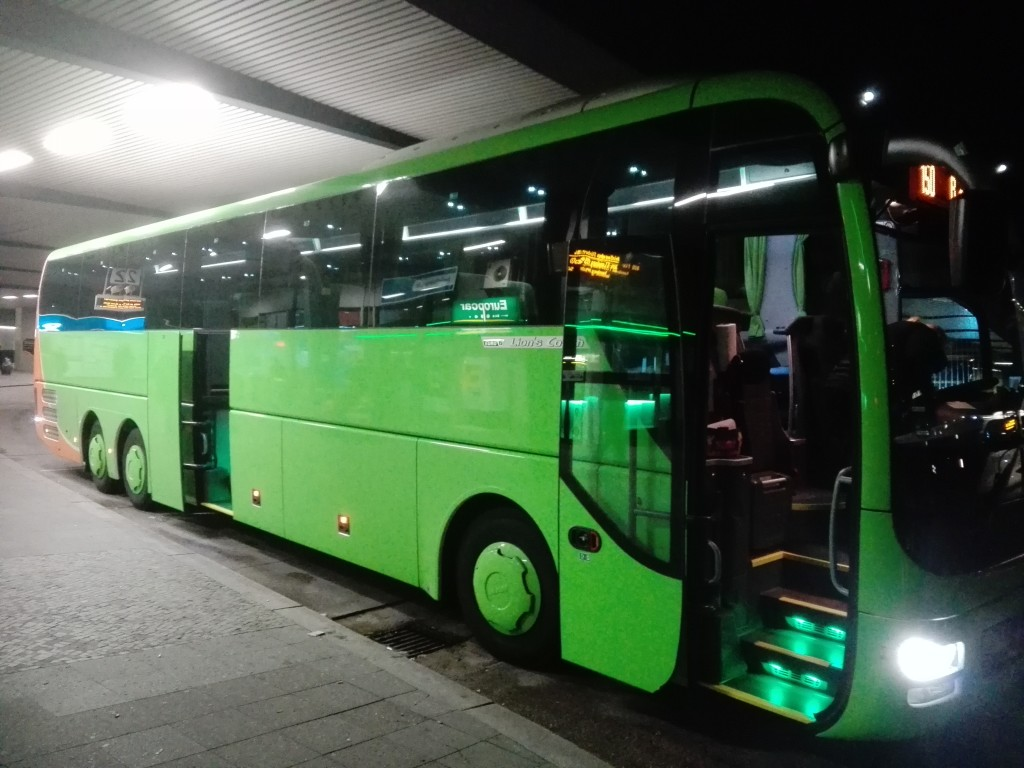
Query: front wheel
[[135, 471], [508, 589], [97, 462]]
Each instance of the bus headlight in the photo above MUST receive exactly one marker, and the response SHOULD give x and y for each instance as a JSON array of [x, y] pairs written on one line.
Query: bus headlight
[[923, 661]]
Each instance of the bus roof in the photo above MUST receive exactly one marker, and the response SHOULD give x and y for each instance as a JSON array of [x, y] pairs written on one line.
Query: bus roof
[[561, 121]]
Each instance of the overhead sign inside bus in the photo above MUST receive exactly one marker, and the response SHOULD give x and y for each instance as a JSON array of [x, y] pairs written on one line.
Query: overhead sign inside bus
[[602, 265]]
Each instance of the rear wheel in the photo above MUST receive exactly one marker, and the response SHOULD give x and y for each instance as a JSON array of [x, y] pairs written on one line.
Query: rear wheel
[[135, 471], [97, 460], [508, 589]]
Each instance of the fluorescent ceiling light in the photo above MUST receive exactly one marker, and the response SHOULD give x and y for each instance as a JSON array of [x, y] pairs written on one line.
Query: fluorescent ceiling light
[[176, 113], [8, 297], [79, 137], [221, 264], [275, 234], [470, 230], [13, 158], [30, 295], [332, 248], [491, 244]]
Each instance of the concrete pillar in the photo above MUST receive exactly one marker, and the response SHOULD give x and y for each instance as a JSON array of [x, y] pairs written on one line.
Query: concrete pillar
[[25, 323]]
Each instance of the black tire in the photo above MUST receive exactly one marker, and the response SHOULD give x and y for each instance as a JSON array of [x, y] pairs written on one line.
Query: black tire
[[135, 471], [97, 460], [504, 547]]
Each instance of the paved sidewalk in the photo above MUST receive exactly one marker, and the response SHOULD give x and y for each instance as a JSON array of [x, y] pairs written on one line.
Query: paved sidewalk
[[120, 648]]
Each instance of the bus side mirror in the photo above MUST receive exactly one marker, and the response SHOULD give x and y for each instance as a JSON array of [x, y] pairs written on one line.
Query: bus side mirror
[[980, 241]]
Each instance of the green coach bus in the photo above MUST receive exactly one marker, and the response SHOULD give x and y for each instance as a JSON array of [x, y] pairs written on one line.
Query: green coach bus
[[687, 385]]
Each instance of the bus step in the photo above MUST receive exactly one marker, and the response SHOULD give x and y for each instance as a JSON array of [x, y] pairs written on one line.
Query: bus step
[[222, 508], [815, 615], [801, 572], [802, 659], [774, 694]]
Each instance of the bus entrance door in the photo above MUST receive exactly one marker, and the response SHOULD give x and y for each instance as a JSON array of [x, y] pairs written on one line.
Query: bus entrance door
[[206, 470], [621, 602]]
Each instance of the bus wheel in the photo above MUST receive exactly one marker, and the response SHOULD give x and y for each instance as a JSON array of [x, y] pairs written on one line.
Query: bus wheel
[[135, 471], [96, 460], [508, 589]]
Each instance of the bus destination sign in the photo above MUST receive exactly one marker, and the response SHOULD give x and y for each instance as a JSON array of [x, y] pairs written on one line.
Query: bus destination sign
[[934, 184]]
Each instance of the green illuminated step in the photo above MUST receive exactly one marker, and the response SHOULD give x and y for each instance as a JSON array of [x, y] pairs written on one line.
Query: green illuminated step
[[799, 658], [775, 695], [812, 615]]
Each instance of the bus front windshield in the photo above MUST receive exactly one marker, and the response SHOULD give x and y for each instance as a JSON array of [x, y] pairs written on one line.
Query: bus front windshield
[[955, 397]]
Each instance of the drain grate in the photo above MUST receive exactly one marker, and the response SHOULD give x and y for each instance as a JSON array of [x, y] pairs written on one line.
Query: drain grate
[[414, 639]]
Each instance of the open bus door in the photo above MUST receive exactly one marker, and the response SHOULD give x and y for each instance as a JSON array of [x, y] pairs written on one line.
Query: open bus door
[[206, 472], [620, 598]]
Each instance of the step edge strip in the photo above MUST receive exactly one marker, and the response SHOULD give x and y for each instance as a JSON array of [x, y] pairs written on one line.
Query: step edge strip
[[747, 698], [218, 508], [772, 557], [766, 646], [812, 606]]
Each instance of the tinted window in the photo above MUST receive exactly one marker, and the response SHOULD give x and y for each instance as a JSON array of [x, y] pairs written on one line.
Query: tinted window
[[315, 269], [221, 280], [470, 245], [58, 294]]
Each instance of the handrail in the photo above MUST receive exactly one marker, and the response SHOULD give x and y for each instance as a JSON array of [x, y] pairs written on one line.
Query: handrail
[[843, 477]]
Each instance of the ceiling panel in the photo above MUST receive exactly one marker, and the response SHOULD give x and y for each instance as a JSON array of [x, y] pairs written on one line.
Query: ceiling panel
[[306, 90], [33, 221], [383, 60]]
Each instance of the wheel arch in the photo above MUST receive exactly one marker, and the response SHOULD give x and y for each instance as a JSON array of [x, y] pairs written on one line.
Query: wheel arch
[[84, 428], [468, 512]]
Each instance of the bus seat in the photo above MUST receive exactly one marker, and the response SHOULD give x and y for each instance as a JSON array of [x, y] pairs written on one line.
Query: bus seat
[[821, 389], [773, 469]]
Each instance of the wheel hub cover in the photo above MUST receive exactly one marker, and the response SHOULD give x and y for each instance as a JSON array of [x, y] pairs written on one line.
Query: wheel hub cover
[[98, 456], [507, 588], [135, 469]]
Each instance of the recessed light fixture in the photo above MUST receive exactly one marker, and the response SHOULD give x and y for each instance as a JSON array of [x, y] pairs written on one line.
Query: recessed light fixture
[[13, 158], [176, 113], [868, 96], [78, 137]]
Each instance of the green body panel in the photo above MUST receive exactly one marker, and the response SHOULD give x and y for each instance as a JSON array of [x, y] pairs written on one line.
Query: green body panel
[[101, 360], [871, 345], [444, 384], [448, 475], [163, 437], [618, 617], [762, 85], [369, 476], [257, 452], [83, 368]]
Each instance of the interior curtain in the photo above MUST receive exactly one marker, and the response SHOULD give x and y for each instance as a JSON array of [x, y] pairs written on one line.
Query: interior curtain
[[754, 250], [798, 275]]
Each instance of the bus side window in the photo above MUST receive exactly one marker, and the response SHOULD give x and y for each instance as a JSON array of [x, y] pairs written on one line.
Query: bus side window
[[315, 265], [222, 273], [468, 245]]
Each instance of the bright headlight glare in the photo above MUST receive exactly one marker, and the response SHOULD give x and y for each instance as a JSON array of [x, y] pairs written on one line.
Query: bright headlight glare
[[923, 661]]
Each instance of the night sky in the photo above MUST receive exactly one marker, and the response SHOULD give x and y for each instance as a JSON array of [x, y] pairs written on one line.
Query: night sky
[[957, 75]]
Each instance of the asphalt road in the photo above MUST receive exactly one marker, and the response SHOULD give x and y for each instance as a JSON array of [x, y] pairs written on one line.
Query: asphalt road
[[624, 727]]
